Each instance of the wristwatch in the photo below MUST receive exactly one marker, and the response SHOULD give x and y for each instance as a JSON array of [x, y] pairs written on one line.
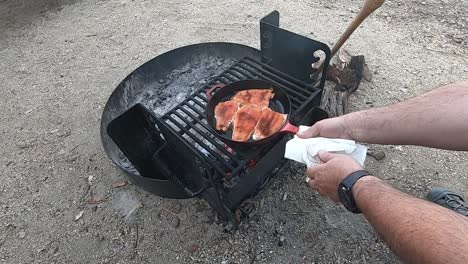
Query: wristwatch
[[345, 190]]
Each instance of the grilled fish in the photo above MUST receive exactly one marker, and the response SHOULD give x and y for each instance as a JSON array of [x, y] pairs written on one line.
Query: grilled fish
[[245, 121], [270, 123], [260, 97], [224, 114]]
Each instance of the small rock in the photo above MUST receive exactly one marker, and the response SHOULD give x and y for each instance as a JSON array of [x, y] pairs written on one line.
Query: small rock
[[423, 3], [118, 184], [175, 222], [366, 73], [379, 155], [54, 131], [176, 208], [183, 216], [389, 19], [285, 196], [90, 179], [281, 241], [21, 234], [403, 90], [126, 203], [25, 144], [161, 81], [79, 215], [53, 249], [400, 148], [28, 111], [65, 133], [262, 203]]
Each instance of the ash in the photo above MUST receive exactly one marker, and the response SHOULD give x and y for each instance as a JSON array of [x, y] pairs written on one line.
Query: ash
[[167, 93]]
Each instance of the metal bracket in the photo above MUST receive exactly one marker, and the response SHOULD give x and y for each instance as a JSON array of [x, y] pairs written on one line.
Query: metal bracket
[[292, 53]]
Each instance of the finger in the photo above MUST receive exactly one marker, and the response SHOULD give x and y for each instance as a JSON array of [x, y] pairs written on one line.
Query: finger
[[321, 193], [313, 170], [326, 156], [311, 184], [313, 131]]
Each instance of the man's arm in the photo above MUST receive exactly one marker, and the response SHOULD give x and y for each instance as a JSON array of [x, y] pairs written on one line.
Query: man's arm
[[438, 119], [416, 230]]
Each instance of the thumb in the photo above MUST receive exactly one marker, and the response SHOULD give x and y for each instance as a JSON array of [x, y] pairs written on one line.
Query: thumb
[[326, 156], [313, 131]]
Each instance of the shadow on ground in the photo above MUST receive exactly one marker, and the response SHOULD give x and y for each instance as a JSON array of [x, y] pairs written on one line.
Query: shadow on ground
[[19, 12]]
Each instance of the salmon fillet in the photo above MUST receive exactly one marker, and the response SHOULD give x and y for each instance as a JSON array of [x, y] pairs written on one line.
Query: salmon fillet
[[245, 121], [260, 97], [270, 123], [224, 114]]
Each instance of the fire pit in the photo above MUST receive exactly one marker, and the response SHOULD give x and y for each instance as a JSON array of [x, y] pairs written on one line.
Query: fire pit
[[154, 126]]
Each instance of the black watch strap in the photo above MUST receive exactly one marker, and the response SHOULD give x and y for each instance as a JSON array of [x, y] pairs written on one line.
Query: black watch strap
[[345, 190]]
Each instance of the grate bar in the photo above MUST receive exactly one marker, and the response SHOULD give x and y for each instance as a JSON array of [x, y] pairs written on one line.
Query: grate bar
[[291, 91], [201, 143], [211, 140], [280, 74], [193, 128]]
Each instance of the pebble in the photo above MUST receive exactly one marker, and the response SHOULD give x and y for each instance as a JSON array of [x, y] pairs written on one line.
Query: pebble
[[262, 203], [53, 249], [175, 222], [90, 179], [25, 144], [65, 133], [183, 216], [79, 215], [380, 155], [281, 241], [176, 208], [21, 234], [367, 73]]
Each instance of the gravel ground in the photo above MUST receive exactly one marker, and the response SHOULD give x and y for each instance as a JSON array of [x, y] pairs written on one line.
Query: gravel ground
[[59, 62]]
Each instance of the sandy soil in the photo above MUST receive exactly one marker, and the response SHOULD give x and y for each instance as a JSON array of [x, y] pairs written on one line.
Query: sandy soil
[[59, 62]]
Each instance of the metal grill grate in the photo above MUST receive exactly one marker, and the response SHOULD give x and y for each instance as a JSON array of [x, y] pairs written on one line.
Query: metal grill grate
[[188, 119]]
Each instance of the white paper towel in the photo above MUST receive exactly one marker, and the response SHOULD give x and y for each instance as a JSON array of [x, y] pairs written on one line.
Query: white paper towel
[[305, 150]]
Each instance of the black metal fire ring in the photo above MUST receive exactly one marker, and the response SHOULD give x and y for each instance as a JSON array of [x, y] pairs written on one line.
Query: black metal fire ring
[[153, 75]]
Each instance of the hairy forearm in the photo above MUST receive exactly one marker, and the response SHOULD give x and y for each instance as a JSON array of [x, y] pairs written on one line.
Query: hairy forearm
[[438, 118], [416, 230]]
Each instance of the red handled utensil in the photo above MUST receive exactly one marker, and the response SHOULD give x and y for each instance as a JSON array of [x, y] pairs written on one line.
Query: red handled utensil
[[210, 91]]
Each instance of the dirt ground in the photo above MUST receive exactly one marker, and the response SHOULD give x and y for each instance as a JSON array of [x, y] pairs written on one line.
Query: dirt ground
[[59, 62]]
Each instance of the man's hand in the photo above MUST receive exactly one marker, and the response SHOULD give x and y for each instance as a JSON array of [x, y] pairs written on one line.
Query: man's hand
[[326, 177], [331, 128]]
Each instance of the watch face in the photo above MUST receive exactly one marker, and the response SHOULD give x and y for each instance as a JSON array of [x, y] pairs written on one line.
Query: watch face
[[345, 199]]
